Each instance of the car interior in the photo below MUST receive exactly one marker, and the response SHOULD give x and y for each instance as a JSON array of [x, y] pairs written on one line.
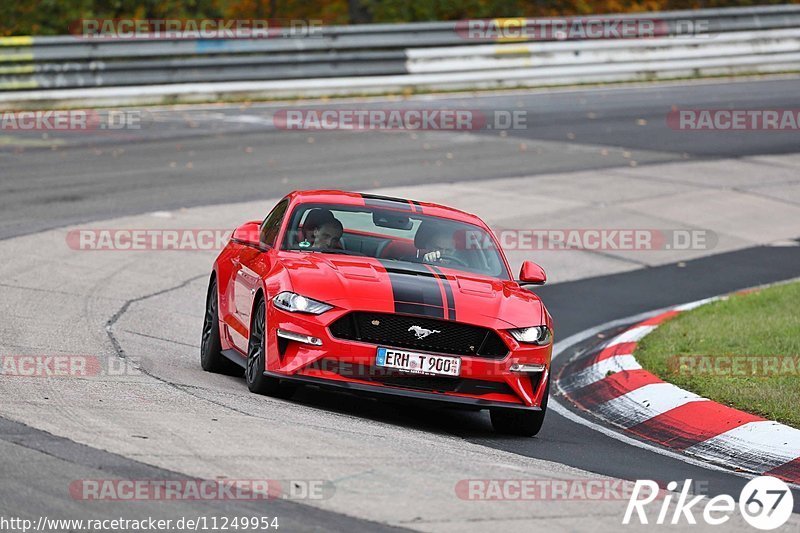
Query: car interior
[[389, 235]]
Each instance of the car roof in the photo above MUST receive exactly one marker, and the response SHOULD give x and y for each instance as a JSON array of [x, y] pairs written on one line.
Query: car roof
[[388, 202]]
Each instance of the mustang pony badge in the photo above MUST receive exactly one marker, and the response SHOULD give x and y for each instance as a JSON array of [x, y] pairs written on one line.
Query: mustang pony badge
[[421, 332]]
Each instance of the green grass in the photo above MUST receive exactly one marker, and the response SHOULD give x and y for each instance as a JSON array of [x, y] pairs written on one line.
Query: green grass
[[759, 324]]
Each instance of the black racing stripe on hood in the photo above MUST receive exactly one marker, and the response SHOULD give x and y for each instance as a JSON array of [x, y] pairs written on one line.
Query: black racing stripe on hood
[[448, 291], [416, 290]]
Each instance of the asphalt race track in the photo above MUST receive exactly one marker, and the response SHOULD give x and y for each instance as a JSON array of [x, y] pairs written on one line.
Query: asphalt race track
[[197, 156], [208, 155]]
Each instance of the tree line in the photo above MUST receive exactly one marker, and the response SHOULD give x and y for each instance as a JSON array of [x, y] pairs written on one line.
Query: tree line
[[58, 17]]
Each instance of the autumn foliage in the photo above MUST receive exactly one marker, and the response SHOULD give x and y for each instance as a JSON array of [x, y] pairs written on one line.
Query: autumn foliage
[[54, 17]]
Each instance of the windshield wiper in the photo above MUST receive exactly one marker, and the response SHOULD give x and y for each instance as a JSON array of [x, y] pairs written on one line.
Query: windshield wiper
[[328, 251], [340, 252]]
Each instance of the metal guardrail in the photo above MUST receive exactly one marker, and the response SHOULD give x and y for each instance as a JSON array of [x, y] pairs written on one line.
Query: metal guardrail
[[426, 55], [769, 45]]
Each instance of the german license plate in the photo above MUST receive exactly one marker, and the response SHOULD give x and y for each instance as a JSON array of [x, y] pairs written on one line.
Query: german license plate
[[418, 363]]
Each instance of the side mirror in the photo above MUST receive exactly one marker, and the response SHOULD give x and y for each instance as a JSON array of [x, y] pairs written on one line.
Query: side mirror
[[532, 273], [248, 234]]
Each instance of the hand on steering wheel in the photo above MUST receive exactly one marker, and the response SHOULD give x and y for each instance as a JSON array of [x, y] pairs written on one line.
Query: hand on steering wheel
[[437, 257]]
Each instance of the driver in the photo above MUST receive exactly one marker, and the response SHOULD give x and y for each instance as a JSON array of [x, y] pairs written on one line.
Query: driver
[[440, 247], [436, 245]]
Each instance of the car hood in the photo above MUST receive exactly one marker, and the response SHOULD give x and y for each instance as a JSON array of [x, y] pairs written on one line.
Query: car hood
[[370, 284]]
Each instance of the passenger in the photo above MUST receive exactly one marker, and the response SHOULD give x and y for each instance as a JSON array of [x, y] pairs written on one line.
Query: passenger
[[314, 219], [327, 235]]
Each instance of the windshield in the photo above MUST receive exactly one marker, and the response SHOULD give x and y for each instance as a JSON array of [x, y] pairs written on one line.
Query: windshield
[[395, 236]]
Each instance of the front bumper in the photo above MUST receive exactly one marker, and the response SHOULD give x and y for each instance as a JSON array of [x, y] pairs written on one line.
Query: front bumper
[[349, 365], [467, 402]]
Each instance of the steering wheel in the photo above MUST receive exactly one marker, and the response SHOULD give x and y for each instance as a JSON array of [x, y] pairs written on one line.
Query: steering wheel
[[454, 259]]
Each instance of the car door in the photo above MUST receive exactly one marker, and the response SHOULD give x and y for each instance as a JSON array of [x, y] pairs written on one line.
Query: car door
[[251, 264], [245, 285]]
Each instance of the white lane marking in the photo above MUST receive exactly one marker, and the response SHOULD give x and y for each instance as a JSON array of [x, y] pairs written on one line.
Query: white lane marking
[[634, 334], [642, 404], [599, 371], [783, 244], [761, 445], [250, 119], [698, 303]]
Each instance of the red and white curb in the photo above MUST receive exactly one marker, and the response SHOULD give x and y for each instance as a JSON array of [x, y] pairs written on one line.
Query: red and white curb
[[611, 384]]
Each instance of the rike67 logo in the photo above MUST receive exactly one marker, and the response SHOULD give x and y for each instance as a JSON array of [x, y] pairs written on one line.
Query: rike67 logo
[[765, 503]]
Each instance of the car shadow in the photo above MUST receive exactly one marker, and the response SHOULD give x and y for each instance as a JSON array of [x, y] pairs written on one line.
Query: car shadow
[[419, 415]]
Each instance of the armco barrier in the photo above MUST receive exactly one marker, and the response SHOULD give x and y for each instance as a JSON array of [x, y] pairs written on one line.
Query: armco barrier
[[340, 60]]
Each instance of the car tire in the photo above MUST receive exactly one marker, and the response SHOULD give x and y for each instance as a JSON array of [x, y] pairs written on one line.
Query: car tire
[[520, 422], [257, 382], [211, 358]]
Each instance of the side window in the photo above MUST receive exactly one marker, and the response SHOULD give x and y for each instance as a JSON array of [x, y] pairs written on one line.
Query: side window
[[272, 224]]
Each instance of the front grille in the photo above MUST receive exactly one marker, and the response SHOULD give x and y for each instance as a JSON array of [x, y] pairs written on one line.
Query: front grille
[[395, 331], [396, 378]]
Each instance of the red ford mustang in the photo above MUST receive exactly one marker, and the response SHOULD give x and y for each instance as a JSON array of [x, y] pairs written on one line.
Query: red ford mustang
[[380, 296]]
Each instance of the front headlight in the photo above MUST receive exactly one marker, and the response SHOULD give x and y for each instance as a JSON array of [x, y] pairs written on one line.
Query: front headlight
[[295, 303], [539, 335]]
